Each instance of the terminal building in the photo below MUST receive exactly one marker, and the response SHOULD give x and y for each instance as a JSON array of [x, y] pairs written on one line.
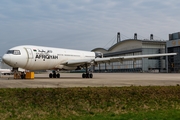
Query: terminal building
[[173, 45], [140, 47]]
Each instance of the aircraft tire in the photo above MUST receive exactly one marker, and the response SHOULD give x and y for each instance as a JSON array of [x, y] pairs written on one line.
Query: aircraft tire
[[54, 75], [58, 75], [50, 75], [87, 75], [83, 75], [91, 75]]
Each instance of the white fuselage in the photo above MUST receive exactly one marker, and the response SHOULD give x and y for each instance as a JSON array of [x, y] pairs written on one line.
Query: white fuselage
[[43, 58]]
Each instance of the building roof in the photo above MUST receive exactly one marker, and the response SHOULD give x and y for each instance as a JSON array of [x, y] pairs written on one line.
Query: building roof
[[128, 44]]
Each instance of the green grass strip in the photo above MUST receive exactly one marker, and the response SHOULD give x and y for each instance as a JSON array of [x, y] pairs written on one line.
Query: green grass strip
[[152, 102]]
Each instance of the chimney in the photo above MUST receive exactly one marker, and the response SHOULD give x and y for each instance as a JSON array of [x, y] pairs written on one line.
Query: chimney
[[135, 36], [151, 37], [118, 37]]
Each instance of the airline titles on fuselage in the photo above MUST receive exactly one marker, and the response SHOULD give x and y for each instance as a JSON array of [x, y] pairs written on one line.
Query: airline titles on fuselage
[[46, 56], [42, 54]]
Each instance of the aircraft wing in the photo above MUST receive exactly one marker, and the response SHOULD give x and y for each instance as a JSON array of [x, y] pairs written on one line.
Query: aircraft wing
[[112, 59], [133, 57]]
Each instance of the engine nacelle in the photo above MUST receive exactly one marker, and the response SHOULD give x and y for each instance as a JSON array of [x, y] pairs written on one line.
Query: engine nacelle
[[99, 55]]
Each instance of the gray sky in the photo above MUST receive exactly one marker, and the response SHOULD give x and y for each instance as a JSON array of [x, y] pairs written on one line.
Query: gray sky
[[84, 24]]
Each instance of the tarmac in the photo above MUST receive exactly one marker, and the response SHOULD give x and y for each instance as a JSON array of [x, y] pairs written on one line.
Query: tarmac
[[98, 80]]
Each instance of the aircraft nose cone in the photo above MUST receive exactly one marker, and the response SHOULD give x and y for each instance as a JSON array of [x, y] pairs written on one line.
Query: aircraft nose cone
[[6, 58]]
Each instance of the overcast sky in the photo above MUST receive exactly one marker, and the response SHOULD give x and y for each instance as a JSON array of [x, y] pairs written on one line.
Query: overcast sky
[[84, 24]]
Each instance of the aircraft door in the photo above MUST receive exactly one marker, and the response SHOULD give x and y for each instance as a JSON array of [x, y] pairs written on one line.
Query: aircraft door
[[30, 54], [30, 62]]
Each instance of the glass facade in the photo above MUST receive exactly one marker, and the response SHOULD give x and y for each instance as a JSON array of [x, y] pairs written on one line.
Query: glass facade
[[121, 66], [173, 46], [174, 61], [155, 63]]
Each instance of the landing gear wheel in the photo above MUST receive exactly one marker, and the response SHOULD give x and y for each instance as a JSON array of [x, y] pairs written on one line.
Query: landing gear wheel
[[83, 75], [91, 75], [58, 75], [54, 75], [50, 75], [87, 75]]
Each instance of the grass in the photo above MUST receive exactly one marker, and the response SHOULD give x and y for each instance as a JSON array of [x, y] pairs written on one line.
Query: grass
[[133, 103]]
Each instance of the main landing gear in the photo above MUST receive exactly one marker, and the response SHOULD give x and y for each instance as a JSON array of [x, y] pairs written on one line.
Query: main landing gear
[[54, 75], [88, 74]]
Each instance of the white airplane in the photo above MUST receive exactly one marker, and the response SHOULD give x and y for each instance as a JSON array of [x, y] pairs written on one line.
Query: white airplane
[[6, 71], [10, 71], [32, 57]]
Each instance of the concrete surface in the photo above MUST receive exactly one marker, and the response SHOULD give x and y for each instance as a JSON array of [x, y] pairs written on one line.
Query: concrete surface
[[99, 80]]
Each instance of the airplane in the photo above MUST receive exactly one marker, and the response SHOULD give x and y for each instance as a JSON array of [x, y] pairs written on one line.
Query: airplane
[[6, 71], [10, 71], [32, 57]]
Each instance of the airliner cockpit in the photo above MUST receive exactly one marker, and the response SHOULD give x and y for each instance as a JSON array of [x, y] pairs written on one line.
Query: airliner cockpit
[[14, 57], [14, 52]]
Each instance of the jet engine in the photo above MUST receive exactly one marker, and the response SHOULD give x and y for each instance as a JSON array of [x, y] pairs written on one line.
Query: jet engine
[[98, 55]]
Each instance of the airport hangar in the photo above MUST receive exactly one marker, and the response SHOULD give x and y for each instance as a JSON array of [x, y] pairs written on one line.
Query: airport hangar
[[136, 46]]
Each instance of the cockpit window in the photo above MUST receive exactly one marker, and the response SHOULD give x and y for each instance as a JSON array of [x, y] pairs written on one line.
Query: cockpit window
[[14, 52], [10, 52]]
